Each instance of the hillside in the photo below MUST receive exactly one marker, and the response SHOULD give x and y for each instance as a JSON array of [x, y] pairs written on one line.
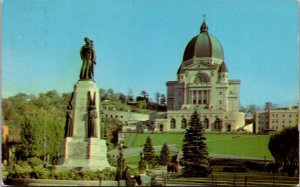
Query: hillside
[[244, 145]]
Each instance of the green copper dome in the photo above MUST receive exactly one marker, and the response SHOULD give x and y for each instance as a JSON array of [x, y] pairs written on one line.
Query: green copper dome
[[203, 45]]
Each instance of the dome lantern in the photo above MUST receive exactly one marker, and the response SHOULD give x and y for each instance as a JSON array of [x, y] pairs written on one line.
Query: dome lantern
[[203, 45]]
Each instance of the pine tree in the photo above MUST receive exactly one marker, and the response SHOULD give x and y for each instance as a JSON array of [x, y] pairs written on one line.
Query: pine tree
[[148, 150], [195, 155], [28, 147], [164, 157]]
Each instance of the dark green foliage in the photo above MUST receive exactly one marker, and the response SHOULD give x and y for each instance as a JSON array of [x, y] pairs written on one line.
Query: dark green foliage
[[41, 120], [164, 157], [148, 151], [28, 147], [284, 146], [256, 166], [142, 165], [34, 162], [24, 170], [111, 128], [195, 155], [235, 169]]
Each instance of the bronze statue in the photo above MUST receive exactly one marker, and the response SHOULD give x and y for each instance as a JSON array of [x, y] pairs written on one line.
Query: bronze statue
[[69, 122], [69, 117], [92, 117], [88, 57]]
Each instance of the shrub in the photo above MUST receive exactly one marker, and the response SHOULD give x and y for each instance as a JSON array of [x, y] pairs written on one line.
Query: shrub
[[23, 170], [256, 166], [289, 169], [34, 162], [90, 175], [272, 167], [235, 169], [41, 173], [63, 175]]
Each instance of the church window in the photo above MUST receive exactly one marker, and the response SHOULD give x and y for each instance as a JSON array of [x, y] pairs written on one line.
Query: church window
[[218, 124], [194, 97], [183, 123], [201, 78], [206, 123], [173, 123]]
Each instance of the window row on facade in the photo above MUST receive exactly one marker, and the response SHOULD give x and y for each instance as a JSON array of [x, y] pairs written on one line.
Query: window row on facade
[[206, 124]]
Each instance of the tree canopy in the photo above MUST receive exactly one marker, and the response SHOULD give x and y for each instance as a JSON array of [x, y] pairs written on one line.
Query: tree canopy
[[284, 146]]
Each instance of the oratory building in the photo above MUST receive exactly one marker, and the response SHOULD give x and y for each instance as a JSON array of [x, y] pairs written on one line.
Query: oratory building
[[202, 84]]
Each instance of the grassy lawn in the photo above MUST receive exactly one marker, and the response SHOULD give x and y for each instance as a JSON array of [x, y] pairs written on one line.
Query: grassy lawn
[[248, 145]]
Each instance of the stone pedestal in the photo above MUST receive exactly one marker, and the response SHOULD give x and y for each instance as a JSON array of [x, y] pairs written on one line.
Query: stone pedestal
[[81, 151]]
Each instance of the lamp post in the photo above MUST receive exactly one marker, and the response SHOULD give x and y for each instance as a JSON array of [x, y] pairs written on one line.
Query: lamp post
[[120, 162]]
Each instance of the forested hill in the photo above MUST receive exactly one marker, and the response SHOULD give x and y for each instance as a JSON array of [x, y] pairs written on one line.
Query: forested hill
[[41, 118], [50, 107]]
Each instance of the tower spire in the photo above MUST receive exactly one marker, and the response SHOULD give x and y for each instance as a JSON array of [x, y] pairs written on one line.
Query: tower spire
[[203, 27]]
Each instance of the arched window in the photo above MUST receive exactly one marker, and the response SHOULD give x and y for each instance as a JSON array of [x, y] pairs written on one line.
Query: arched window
[[206, 123], [218, 124], [201, 78], [183, 123], [173, 123]]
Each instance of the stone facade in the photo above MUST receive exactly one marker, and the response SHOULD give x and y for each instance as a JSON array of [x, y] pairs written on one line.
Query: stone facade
[[202, 84], [276, 120], [132, 121]]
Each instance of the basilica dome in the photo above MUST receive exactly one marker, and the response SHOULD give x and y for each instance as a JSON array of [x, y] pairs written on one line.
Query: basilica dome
[[203, 45]]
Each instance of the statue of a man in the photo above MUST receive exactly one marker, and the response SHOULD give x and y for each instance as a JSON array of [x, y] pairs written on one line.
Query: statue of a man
[[92, 122], [88, 57], [69, 122]]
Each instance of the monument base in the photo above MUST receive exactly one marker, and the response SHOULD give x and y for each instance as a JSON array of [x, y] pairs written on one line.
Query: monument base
[[85, 154]]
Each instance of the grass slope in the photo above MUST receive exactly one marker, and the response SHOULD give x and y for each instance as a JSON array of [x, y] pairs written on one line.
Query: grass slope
[[246, 145]]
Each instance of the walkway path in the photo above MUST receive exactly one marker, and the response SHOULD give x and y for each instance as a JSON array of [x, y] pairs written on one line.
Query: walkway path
[[132, 139]]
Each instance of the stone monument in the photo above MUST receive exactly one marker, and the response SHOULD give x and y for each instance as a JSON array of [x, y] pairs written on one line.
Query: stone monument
[[83, 146]]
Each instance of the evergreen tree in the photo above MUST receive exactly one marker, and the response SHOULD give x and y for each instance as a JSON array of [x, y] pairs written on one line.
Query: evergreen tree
[[164, 157], [148, 151], [195, 155], [27, 148]]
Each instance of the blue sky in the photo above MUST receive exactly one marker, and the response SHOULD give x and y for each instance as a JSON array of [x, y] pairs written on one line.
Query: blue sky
[[139, 44]]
